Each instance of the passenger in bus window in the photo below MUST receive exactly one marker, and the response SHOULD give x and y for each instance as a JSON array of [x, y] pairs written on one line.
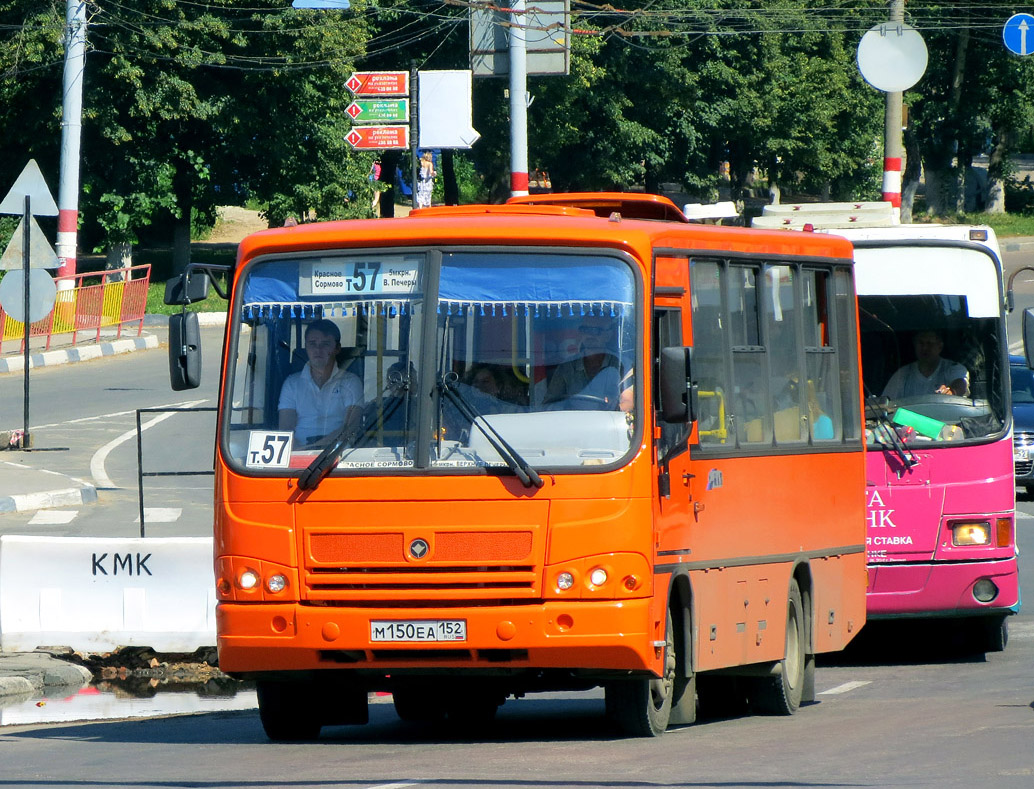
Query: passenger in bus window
[[591, 381], [321, 399], [929, 373]]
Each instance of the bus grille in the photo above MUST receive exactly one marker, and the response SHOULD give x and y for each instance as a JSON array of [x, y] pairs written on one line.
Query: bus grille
[[470, 565]]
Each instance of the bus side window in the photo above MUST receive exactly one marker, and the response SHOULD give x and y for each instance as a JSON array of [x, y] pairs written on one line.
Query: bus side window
[[845, 356], [751, 413], [709, 370], [781, 338]]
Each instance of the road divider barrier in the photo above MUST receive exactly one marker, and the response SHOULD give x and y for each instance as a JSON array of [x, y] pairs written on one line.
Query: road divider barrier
[[95, 594]]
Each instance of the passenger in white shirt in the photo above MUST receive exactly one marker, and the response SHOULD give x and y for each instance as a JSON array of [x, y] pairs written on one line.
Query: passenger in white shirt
[[929, 373], [321, 399]]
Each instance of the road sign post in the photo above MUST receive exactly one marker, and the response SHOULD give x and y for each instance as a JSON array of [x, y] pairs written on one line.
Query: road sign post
[[28, 188]]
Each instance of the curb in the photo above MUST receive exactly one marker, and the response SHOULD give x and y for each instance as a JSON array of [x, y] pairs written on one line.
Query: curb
[[25, 673], [82, 493], [17, 363]]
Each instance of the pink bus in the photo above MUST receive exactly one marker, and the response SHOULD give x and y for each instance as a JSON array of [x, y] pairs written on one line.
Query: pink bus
[[940, 492]]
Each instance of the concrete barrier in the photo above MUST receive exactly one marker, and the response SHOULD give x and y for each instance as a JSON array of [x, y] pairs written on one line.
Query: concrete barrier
[[95, 594]]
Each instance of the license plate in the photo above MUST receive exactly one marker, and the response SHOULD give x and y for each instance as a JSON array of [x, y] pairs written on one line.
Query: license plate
[[1020, 454], [419, 630]]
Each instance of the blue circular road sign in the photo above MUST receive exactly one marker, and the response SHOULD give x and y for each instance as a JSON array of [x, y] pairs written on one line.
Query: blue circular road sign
[[1018, 34]]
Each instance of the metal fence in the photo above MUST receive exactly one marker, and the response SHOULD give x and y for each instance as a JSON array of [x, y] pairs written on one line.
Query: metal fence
[[92, 302]]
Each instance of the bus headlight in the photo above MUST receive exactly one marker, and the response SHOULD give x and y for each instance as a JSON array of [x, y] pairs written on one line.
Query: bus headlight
[[276, 583], [971, 533], [248, 579], [564, 581], [598, 577]]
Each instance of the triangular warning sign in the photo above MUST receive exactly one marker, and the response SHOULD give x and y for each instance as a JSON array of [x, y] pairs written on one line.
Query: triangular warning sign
[[41, 254], [30, 183]]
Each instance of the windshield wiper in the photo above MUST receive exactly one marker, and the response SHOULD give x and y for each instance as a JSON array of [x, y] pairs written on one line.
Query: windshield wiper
[[518, 465], [325, 461], [886, 427]]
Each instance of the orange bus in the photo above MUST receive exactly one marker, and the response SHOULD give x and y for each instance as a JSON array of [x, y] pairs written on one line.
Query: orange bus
[[563, 447]]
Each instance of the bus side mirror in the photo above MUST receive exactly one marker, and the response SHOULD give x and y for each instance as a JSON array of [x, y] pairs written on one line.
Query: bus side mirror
[[678, 395], [187, 288], [184, 351], [1028, 335]]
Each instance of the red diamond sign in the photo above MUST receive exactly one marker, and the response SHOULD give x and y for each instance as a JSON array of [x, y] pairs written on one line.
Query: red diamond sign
[[379, 83], [379, 138]]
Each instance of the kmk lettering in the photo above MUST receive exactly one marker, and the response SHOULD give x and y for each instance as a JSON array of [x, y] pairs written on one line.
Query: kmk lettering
[[121, 563]]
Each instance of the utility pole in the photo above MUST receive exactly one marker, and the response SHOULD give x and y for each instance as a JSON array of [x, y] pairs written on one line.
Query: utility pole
[[518, 99], [71, 132], [893, 146]]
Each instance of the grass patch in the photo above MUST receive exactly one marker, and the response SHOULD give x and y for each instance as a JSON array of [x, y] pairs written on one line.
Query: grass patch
[[1004, 225]]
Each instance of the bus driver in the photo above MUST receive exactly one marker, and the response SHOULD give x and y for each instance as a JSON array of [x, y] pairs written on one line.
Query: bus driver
[[319, 400], [929, 373], [595, 375]]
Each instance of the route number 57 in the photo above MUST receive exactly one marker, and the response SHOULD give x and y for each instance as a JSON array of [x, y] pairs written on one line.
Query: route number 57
[[268, 450]]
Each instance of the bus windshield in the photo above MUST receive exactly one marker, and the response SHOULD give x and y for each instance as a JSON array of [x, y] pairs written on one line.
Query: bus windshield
[[530, 352], [932, 345]]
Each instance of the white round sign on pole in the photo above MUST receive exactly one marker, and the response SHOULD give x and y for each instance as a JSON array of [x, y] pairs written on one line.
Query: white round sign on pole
[[42, 294], [892, 57]]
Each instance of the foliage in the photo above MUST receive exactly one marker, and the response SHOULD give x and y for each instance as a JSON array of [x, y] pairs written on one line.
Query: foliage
[[188, 106], [193, 105], [974, 98]]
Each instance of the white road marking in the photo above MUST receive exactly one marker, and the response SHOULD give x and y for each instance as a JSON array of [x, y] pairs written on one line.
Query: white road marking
[[400, 785], [100, 476], [51, 517], [97, 418], [847, 687], [160, 515], [1022, 516]]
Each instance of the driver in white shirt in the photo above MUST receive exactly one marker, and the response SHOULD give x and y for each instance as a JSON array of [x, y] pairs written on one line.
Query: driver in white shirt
[[929, 373]]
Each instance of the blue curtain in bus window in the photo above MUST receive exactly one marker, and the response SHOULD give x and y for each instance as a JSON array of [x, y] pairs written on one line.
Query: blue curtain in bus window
[[577, 283]]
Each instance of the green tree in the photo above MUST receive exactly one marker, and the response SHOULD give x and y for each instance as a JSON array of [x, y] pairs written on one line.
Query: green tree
[[973, 99], [188, 106]]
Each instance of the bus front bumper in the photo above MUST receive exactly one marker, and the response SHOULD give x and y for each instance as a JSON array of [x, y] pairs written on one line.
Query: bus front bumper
[[603, 635], [942, 589]]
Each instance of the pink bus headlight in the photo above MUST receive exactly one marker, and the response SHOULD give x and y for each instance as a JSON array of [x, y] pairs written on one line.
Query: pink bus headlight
[[967, 533]]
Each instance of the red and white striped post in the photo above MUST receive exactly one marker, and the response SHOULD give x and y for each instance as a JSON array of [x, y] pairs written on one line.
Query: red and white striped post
[[71, 132]]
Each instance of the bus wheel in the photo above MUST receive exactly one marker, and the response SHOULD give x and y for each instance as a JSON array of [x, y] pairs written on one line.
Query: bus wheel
[[994, 632], [781, 694], [642, 707], [287, 711]]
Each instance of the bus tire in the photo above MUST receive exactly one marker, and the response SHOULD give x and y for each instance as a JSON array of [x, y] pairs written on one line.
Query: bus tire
[[781, 694], [642, 707], [994, 633], [287, 711]]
